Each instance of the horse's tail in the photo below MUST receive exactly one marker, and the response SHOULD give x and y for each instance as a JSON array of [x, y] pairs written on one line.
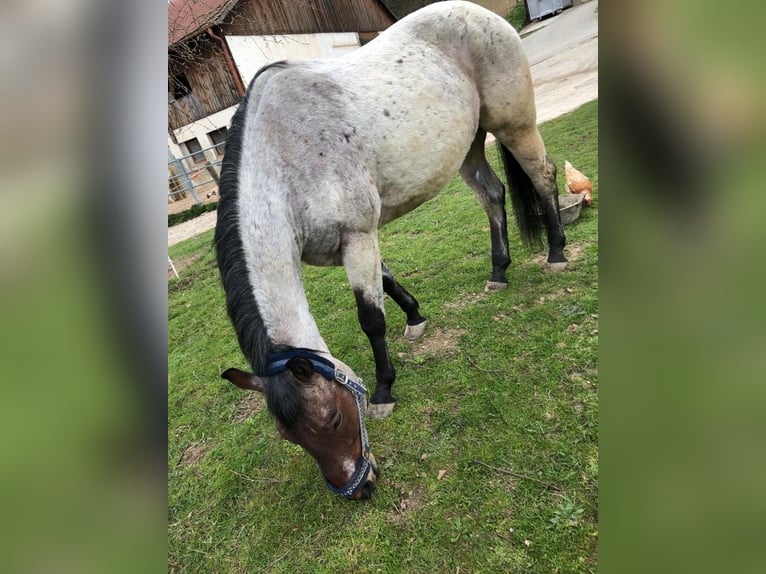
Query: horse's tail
[[527, 207]]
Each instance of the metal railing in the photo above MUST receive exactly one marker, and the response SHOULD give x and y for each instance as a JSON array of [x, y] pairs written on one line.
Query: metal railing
[[194, 175]]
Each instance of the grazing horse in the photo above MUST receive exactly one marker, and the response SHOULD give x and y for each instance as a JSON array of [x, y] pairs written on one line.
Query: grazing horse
[[320, 154]]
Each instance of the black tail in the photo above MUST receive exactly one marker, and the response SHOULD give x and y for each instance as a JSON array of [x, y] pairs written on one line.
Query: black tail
[[527, 207]]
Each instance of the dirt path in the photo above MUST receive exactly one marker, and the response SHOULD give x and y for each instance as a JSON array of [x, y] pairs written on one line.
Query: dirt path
[[190, 228], [563, 56]]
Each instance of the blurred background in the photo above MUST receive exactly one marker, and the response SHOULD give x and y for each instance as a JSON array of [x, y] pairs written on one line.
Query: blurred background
[[82, 294], [83, 286], [683, 328]]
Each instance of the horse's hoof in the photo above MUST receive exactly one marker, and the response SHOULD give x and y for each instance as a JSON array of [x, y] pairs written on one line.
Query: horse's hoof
[[380, 410], [413, 332], [495, 286], [557, 266]]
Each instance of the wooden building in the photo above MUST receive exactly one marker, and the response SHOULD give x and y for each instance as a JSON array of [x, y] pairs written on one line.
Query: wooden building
[[216, 46]]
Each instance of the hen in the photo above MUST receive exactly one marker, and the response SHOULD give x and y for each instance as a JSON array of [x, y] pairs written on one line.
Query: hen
[[577, 182]]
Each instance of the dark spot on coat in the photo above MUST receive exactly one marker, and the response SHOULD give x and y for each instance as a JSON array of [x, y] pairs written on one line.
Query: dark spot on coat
[[386, 113], [399, 61], [348, 137]]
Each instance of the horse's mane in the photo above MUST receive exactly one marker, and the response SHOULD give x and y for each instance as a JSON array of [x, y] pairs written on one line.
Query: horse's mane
[[283, 395]]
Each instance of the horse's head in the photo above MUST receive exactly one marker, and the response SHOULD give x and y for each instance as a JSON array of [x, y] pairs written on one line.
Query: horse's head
[[319, 406]]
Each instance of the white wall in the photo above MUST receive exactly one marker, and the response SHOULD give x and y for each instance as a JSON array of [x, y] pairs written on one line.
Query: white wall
[[250, 53], [199, 130]]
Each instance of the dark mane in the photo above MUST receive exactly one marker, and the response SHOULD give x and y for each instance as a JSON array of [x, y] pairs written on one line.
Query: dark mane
[[283, 395]]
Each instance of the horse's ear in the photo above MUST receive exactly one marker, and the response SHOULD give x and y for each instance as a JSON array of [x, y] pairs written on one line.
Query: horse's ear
[[302, 369], [245, 380]]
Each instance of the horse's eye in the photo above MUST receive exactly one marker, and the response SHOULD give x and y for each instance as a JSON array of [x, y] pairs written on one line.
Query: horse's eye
[[338, 420]]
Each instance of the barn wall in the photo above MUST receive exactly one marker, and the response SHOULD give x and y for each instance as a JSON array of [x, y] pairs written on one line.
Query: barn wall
[[205, 67], [213, 88], [306, 17]]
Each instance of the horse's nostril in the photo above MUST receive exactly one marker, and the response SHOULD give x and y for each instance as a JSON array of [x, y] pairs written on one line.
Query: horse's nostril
[[367, 490]]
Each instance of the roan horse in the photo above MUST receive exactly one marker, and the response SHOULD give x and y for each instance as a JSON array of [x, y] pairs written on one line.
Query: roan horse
[[320, 154]]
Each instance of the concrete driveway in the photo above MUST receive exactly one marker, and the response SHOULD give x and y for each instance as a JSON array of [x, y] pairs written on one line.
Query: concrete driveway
[[563, 56]]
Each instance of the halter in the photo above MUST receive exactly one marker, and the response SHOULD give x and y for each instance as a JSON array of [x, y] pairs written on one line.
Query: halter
[[278, 364]]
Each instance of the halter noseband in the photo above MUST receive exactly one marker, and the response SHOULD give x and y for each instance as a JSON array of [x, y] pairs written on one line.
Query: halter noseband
[[278, 364]]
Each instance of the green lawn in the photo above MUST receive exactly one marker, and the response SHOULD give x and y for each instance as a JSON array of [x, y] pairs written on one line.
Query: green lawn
[[501, 394]]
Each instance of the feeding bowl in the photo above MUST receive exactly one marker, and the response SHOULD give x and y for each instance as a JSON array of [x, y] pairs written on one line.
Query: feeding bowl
[[570, 206]]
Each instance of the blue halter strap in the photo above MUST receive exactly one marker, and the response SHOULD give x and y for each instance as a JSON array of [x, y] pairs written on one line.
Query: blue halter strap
[[278, 364]]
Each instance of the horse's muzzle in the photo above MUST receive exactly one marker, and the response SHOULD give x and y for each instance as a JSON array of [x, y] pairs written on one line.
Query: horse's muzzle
[[365, 492]]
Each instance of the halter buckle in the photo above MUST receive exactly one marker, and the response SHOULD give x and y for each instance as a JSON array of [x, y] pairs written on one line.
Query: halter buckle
[[341, 377]]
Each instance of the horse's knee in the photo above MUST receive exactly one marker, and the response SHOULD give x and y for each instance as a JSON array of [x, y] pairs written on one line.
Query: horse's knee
[[372, 319]]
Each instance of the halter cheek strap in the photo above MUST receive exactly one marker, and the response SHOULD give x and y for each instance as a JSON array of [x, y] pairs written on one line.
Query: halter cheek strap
[[278, 364]]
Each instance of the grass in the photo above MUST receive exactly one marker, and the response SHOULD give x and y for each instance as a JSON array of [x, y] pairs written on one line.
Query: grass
[[517, 17], [501, 394]]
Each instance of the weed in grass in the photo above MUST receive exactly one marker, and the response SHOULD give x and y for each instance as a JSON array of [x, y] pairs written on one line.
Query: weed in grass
[[567, 513]]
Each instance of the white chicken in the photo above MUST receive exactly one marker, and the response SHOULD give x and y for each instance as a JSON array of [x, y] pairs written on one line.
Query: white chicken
[[577, 182]]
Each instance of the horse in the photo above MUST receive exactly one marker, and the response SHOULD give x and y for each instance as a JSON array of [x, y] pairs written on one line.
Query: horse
[[321, 154]]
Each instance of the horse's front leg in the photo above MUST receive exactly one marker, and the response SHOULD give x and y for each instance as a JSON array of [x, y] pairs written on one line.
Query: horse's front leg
[[361, 259], [416, 323]]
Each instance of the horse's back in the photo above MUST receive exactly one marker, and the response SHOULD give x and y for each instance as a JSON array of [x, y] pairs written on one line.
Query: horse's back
[[424, 87], [395, 118]]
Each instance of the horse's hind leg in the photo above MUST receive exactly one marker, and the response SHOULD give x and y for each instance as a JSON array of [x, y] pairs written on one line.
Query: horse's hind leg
[[532, 178], [479, 176], [416, 324]]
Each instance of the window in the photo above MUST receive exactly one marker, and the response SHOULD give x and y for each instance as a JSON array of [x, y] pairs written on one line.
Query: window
[[181, 86], [218, 137], [194, 150]]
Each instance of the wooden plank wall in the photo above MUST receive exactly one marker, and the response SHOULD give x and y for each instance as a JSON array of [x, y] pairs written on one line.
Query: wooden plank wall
[[213, 88], [306, 17]]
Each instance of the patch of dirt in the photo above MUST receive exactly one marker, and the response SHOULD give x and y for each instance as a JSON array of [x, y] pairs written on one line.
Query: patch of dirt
[[438, 342], [409, 501], [181, 264], [465, 300], [557, 295], [582, 378], [572, 253], [194, 453], [504, 315], [249, 405], [575, 252]]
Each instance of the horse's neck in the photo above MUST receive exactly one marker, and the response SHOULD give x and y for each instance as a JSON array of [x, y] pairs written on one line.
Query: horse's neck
[[273, 265], [286, 313]]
